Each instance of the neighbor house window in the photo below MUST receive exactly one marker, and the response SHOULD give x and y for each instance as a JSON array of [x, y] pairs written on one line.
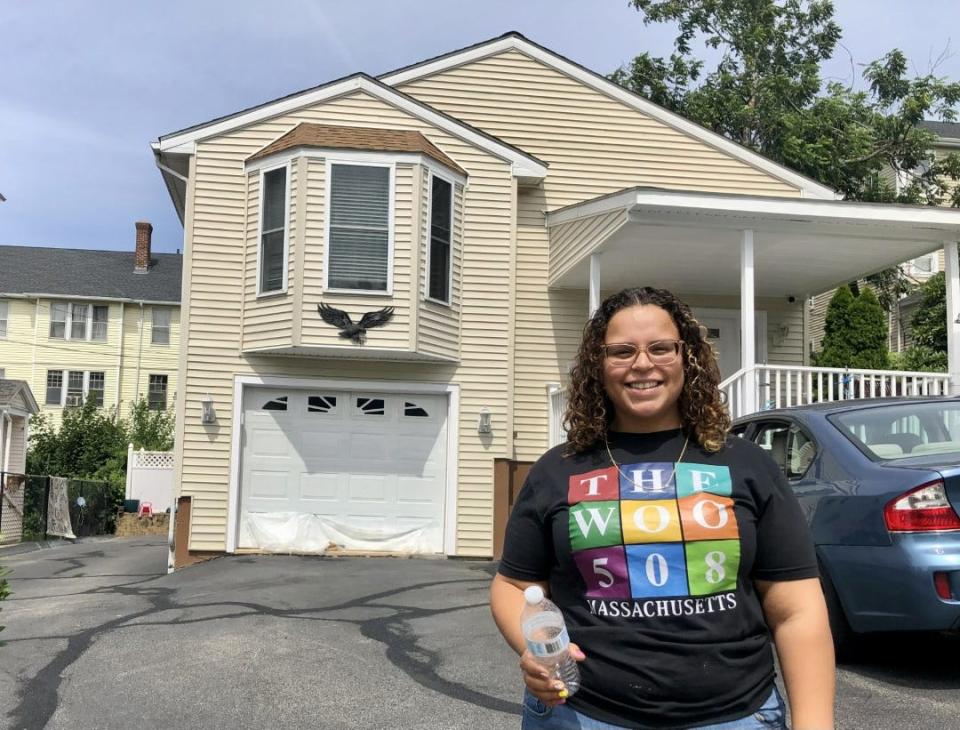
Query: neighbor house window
[[441, 218], [98, 330], [3, 320], [160, 330], [96, 383], [74, 388], [58, 320], [80, 385], [73, 321], [273, 226], [54, 387], [359, 233], [157, 394]]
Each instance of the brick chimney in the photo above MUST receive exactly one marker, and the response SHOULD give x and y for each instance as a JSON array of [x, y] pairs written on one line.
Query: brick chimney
[[142, 257]]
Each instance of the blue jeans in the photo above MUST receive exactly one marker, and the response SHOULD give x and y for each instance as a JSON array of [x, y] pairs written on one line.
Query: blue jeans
[[537, 716]]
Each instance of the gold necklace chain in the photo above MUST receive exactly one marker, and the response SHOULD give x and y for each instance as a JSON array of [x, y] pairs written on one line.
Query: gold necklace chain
[[675, 464]]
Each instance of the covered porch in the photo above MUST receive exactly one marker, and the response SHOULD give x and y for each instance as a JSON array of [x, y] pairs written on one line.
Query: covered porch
[[747, 251]]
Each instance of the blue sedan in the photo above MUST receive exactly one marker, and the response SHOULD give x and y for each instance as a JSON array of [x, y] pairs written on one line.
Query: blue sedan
[[879, 482]]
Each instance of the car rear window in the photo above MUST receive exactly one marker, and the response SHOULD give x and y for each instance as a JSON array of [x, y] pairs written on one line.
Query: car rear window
[[903, 430]]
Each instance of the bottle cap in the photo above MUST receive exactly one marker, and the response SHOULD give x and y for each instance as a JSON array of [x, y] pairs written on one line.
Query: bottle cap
[[533, 595]]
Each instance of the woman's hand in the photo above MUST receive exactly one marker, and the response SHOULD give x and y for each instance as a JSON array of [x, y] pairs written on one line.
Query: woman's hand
[[542, 685]]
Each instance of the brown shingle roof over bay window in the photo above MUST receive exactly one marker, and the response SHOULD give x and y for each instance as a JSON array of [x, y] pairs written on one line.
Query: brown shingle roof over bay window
[[357, 138]]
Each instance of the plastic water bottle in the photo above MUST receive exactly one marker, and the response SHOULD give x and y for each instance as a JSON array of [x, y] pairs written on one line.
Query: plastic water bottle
[[547, 638]]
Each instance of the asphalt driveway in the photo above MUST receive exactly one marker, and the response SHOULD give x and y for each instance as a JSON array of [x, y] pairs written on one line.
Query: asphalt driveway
[[99, 636]]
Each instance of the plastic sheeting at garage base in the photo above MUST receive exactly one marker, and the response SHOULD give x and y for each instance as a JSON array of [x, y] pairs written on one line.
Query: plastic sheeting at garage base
[[294, 532]]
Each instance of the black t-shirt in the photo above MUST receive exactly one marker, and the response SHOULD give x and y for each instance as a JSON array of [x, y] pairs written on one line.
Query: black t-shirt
[[653, 568]]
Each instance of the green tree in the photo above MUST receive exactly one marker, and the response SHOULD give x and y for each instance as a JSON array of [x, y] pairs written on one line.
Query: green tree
[[929, 323], [929, 327], [766, 93], [868, 333], [836, 350], [86, 439], [150, 429]]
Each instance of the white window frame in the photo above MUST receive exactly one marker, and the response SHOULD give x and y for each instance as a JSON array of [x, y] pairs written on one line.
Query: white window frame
[[106, 322], [366, 160], [453, 207], [154, 328], [68, 322], [286, 231], [166, 390], [5, 318], [65, 386]]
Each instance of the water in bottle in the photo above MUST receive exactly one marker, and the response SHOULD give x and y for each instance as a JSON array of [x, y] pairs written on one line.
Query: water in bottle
[[547, 639]]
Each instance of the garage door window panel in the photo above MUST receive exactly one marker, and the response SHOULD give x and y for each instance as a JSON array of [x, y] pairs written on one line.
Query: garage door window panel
[[412, 410], [321, 404], [275, 404], [371, 406]]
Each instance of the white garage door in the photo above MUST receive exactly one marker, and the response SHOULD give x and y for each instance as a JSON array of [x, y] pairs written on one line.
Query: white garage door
[[360, 470]]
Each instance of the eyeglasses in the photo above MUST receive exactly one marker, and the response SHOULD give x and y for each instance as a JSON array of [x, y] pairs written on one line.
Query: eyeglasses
[[661, 352]]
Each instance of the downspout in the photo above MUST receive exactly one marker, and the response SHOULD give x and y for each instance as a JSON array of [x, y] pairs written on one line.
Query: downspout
[[3, 434], [139, 355], [120, 363], [36, 329], [6, 437]]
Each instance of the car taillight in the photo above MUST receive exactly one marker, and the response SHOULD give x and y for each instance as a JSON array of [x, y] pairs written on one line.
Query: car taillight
[[925, 508], [941, 581]]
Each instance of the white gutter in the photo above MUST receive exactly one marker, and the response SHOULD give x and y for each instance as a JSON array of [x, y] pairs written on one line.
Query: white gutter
[[84, 298], [33, 365]]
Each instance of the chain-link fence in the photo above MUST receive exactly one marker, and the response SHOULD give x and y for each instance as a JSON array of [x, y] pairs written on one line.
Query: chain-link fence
[[93, 506]]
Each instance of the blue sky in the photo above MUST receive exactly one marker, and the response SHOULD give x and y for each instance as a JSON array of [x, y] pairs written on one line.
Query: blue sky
[[86, 86]]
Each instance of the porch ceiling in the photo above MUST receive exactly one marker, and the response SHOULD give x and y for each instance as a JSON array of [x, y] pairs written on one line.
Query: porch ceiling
[[690, 242]]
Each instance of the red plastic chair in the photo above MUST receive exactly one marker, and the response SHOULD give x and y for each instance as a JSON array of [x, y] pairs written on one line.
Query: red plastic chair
[[146, 509]]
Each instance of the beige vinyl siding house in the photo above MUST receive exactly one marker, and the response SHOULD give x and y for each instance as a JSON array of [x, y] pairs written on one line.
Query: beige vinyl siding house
[[594, 145], [85, 324], [474, 206]]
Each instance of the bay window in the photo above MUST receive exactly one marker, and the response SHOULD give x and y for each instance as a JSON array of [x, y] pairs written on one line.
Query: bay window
[[358, 236], [273, 231]]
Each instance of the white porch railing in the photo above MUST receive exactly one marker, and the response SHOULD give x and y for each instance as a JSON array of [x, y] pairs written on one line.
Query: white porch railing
[[781, 386], [557, 396]]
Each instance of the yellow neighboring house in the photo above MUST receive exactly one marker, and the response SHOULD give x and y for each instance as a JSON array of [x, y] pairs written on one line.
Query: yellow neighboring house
[[469, 212], [77, 324]]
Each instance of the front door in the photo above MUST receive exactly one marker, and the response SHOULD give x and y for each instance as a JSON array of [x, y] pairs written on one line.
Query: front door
[[723, 332]]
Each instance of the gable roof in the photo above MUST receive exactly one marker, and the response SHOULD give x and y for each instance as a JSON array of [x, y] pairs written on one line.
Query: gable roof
[[10, 389], [307, 134], [71, 272], [518, 42], [184, 142], [944, 130]]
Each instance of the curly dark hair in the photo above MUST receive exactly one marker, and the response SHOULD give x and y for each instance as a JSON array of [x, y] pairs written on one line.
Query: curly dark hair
[[589, 409]]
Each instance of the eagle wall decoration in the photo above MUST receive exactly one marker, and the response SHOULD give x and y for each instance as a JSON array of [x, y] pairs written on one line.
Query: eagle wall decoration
[[350, 331]]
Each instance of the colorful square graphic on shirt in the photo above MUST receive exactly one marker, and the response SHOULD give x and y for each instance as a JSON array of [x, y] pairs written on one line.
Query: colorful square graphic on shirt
[[708, 517], [657, 570], [604, 570], [650, 521], [652, 480], [712, 566], [698, 478], [594, 486], [594, 524]]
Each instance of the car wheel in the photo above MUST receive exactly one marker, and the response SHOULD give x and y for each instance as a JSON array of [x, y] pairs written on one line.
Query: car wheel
[[846, 642]]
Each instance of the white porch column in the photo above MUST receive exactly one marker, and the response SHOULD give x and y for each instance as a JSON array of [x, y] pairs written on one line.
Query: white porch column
[[952, 274], [748, 328], [594, 283]]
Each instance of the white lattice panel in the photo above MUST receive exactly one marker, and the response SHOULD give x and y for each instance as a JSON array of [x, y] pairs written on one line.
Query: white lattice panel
[[153, 459]]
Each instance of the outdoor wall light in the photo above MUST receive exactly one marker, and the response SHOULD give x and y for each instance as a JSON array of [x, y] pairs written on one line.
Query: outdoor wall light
[[483, 425], [208, 414]]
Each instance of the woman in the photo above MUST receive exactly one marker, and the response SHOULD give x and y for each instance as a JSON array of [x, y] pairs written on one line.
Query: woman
[[674, 551]]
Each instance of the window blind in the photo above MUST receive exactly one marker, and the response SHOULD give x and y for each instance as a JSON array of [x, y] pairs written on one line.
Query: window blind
[[359, 227]]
